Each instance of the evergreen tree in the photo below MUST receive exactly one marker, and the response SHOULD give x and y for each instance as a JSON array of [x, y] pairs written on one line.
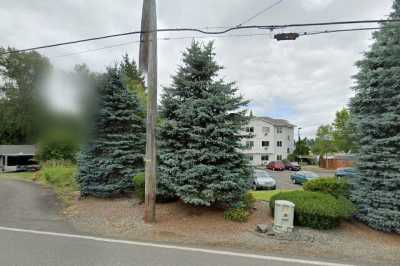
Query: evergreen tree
[[200, 159], [115, 152], [376, 114]]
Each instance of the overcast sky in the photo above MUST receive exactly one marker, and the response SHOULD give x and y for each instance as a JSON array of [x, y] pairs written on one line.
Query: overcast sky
[[305, 81]]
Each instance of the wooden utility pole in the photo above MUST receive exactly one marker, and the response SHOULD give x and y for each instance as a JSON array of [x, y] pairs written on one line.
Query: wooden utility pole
[[148, 66]]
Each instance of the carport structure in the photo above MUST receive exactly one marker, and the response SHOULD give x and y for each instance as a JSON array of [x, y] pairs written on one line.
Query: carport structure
[[13, 155]]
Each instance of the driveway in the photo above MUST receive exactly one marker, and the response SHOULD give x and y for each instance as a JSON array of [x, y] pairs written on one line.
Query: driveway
[[31, 206]]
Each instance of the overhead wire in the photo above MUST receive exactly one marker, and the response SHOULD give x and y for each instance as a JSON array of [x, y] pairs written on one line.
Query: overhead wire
[[160, 39], [260, 13], [270, 27], [217, 36]]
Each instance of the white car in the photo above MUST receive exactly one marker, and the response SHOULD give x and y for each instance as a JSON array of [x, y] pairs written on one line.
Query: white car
[[262, 180]]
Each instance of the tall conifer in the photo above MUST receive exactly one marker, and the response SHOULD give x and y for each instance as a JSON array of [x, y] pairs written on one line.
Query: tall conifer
[[202, 117], [376, 116]]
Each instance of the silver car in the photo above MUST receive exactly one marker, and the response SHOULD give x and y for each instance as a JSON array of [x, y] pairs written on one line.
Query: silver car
[[262, 180]]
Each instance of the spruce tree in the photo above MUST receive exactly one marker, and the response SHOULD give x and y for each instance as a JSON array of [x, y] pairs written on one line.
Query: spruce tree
[[376, 115], [202, 118], [115, 152]]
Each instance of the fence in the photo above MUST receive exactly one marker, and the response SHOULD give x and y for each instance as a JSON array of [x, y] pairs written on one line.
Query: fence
[[334, 164]]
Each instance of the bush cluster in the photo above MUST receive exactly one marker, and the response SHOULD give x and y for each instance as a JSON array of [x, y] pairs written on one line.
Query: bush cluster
[[237, 214], [331, 186], [139, 183], [316, 210], [59, 174], [58, 145], [241, 210]]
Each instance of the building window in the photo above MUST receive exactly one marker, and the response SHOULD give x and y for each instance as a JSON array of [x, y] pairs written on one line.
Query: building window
[[265, 143], [250, 157], [279, 157], [265, 130], [288, 138], [279, 143], [250, 129], [249, 144], [279, 130], [264, 158], [288, 150]]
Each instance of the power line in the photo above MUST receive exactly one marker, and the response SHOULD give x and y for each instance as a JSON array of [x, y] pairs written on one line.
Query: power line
[[220, 36], [270, 27], [342, 30], [160, 39], [260, 12]]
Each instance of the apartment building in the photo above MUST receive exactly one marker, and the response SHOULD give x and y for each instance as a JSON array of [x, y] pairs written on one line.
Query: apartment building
[[270, 140]]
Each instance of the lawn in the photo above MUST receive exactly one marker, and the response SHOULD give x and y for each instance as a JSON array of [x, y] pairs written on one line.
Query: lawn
[[266, 195], [18, 175]]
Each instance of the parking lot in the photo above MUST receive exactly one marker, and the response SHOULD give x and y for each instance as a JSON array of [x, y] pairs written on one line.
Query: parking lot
[[283, 177]]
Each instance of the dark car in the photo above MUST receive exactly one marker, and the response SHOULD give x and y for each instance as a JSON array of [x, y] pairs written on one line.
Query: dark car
[[292, 166], [276, 166], [303, 176], [345, 172], [31, 166], [262, 180]]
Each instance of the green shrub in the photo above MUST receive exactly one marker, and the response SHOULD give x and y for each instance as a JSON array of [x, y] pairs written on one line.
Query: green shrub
[[248, 201], [316, 210], [237, 214], [59, 174], [139, 182], [331, 186], [58, 145]]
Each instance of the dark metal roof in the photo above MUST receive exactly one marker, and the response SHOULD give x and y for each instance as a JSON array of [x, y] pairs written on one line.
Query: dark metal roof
[[276, 122], [13, 150]]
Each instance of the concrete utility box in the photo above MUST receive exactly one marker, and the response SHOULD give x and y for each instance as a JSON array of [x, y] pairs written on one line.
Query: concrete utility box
[[284, 216]]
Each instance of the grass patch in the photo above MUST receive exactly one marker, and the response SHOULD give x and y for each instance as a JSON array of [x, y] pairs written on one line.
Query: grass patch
[[18, 175], [61, 177], [267, 194]]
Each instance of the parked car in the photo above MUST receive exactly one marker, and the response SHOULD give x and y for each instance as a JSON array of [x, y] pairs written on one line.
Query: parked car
[[32, 166], [276, 165], [302, 176], [345, 172], [262, 180], [292, 166]]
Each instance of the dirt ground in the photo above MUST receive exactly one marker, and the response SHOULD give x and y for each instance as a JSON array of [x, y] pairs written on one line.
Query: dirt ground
[[178, 223]]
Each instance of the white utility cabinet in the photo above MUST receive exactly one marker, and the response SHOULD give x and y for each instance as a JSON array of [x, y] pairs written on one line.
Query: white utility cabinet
[[284, 216]]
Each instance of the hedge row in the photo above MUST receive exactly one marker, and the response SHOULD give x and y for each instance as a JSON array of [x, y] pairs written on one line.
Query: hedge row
[[316, 210], [331, 186]]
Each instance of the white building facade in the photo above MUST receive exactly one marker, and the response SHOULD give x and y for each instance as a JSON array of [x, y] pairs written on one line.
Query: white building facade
[[270, 140]]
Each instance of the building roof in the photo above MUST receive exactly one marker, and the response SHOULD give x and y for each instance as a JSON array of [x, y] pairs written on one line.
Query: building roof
[[345, 157], [13, 150], [276, 122]]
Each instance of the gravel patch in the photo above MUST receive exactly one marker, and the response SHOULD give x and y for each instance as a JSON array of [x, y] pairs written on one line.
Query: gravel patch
[[181, 224]]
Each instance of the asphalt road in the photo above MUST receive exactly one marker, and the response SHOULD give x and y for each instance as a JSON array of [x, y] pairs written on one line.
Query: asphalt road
[[32, 233], [35, 248]]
